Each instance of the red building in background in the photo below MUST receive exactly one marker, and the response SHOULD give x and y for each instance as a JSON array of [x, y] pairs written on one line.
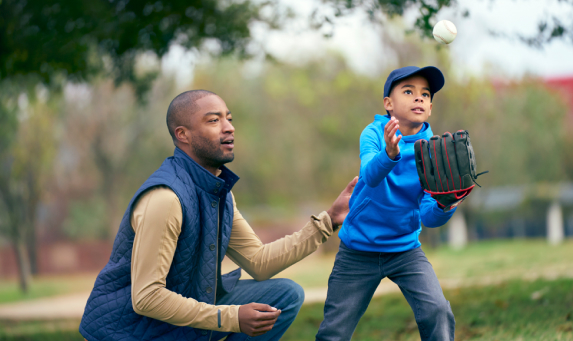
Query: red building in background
[[564, 85]]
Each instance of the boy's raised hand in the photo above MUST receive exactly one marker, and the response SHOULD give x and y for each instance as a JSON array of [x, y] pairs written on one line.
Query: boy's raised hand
[[391, 139]]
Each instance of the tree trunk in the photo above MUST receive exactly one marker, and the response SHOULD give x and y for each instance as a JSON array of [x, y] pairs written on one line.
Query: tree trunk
[[30, 221], [23, 265], [110, 195], [32, 248]]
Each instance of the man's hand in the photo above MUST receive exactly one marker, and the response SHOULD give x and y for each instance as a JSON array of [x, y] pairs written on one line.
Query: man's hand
[[256, 319], [339, 209], [391, 139]]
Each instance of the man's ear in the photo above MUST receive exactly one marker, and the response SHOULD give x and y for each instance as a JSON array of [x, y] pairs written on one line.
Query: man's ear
[[182, 135], [388, 105]]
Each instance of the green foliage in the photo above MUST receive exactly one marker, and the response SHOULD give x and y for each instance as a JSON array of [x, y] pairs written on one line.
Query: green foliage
[[27, 151], [297, 129], [517, 130], [85, 221], [517, 310], [8, 125], [548, 29], [55, 40], [115, 143], [297, 133], [424, 22], [47, 38]]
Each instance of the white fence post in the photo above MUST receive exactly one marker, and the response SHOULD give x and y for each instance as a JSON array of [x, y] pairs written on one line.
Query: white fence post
[[555, 223], [457, 230]]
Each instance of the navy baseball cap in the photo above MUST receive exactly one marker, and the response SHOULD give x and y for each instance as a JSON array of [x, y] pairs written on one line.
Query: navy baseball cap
[[432, 74]]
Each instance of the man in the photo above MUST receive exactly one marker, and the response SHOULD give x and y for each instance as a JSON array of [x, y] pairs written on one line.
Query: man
[[163, 280]]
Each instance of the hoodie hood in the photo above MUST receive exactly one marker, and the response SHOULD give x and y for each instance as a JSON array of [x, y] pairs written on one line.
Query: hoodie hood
[[425, 133]]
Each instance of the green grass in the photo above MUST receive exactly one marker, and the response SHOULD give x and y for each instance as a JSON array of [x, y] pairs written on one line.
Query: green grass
[[502, 259], [516, 310], [481, 261], [492, 312], [45, 287], [40, 331]]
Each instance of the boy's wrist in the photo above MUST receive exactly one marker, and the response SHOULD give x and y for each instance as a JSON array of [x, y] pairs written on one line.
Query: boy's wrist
[[392, 154]]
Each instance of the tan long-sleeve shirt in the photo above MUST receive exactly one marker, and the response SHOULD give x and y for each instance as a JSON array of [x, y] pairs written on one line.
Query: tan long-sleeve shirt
[[157, 219]]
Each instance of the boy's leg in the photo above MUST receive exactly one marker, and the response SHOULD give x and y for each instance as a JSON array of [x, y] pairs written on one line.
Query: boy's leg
[[354, 278], [417, 280], [281, 293]]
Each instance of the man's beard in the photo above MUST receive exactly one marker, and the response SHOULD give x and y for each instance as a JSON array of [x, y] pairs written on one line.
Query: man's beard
[[210, 154]]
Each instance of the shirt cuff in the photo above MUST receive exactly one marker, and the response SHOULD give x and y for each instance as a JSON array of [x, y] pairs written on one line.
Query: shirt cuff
[[437, 210], [235, 327], [396, 159], [385, 161], [325, 222]]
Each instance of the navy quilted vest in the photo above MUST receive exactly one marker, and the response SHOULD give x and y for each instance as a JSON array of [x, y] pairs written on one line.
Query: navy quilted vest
[[109, 313]]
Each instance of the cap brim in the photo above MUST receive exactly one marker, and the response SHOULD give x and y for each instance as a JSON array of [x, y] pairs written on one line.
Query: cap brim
[[432, 74]]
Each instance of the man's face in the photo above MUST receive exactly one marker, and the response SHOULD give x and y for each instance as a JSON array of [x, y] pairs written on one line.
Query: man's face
[[410, 101], [211, 134]]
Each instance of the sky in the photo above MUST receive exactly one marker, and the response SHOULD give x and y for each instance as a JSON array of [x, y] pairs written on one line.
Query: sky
[[474, 51]]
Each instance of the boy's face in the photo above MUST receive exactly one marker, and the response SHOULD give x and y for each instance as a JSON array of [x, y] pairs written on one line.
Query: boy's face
[[410, 101]]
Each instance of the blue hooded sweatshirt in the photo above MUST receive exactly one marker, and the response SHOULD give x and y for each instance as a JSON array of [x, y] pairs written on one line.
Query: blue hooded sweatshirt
[[388, 203]]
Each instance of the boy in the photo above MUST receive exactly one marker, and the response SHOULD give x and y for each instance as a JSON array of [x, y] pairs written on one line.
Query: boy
[[379, 237]]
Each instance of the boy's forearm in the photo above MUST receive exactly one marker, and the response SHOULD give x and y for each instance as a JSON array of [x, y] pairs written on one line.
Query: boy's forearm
[[378, 168], [432, 215]]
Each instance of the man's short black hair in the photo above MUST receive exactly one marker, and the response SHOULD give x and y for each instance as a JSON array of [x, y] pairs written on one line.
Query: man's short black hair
[[182, 107]]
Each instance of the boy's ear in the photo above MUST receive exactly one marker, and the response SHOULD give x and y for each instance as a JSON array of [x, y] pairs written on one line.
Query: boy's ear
[[388, 105], [430, 113]]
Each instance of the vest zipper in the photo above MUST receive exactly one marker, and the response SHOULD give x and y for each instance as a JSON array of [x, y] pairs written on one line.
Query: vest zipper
[[216, 259]]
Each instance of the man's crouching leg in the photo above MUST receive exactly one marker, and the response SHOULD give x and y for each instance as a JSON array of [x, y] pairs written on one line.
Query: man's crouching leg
[[281, 293]]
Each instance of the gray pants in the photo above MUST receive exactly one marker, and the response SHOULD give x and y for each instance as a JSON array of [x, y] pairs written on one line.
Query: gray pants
[[357, 274]]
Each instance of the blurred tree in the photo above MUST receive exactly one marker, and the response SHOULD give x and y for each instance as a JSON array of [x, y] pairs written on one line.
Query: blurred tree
[[26, 156], [517, 129], [298, 128], [391, 8], [549, 29], [117, 141], [77, 39], [55, 41]]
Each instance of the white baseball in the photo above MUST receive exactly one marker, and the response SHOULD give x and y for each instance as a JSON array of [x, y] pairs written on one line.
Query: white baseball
[[445, 32]]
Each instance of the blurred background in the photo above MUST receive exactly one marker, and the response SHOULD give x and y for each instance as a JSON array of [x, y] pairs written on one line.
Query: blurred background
[[85, 86]]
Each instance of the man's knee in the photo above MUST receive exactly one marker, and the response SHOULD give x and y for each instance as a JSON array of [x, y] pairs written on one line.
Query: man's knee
[[292, 290]]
